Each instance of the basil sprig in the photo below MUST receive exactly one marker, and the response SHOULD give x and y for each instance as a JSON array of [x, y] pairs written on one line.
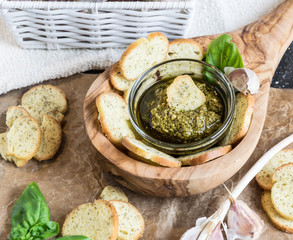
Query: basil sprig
[[222, 53], [30, 216]]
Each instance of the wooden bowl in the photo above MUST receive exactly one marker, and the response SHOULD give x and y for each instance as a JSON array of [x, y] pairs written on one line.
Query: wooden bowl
[[261, 44]]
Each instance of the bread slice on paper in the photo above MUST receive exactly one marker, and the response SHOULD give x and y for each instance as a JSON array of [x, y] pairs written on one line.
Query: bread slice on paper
[[15, 112], [281, 223], [113, 193], [3, 152], [51, 138], [98, 220], [264, 177], [43, 99], [24, 138], [131, 223], [282, 191]]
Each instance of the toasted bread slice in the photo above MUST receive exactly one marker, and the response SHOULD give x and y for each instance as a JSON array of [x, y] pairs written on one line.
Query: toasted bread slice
[[56, 115], [13, 113], [131, 223], [113, 193], [241, 120], [283, 173], [141, 159], [150, 153], [117, 80], [282, 190], [3, 152], [184, 95], [96, 221], [264, 177], [143, 54], [204, 156], [185, 48], [24, 138], [114, 117], [43, 99], [51, 138], [281, 223]]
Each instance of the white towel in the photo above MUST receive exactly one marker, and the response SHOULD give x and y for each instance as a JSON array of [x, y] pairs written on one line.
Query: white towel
[[21, 67]]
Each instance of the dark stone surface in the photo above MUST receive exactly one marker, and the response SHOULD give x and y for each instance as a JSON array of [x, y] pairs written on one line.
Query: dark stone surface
[[283, 77]]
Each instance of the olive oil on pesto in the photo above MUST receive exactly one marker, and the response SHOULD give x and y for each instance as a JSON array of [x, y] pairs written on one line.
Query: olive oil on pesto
[[166, 124]]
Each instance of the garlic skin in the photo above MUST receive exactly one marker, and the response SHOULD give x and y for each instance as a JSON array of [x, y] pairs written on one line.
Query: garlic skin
[[217, 233], [244, 80], [243, 220]]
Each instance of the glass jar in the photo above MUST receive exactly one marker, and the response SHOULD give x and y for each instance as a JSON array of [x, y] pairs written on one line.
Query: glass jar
[[197, 70]]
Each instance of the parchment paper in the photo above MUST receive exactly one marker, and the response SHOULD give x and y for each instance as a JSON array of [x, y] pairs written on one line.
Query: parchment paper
[[74, 176]]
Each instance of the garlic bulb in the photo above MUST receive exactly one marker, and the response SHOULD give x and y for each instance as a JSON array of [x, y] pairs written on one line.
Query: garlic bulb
[[243, 79], [243, 220]]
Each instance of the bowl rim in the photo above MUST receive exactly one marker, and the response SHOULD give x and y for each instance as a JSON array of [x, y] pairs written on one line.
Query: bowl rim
[[193, 146]]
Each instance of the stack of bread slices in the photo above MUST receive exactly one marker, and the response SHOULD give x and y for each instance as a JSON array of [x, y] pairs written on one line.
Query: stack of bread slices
[[34, 127], [276, 178], [111, 217], [139, 57]]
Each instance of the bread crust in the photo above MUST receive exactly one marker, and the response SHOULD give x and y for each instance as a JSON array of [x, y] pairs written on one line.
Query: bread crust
[[140, 233], [229, 139], [268, 208], [48, 85], [40, 157], [188, 41], [134, 45], [128, 50], [150, 156], [106, 203], [264, 184], [103, 122], [17, 107], [37, 146], [114, 71], [205, 156]]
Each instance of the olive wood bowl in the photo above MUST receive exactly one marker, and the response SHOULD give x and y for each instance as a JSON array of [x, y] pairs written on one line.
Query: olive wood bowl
[[262, 44]]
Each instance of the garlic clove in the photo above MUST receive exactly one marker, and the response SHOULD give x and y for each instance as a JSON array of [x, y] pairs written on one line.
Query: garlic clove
[[244, 80], [216, 234], [193, 233], [243, 220]]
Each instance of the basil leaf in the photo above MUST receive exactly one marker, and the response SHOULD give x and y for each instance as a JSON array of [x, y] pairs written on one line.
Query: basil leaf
[[43, 230], [222, 53], [30, 215], [77, 237]]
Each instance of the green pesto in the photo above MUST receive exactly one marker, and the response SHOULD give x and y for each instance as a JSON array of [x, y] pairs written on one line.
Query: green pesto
[[166, 124]]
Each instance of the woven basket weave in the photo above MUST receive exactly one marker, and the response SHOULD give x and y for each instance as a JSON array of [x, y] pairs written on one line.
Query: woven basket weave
[[56, 25]]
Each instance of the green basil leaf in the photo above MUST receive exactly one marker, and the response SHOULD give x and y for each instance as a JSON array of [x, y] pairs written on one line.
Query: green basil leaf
[[43, 230], [77, 237], [222, 53], [30, 211]]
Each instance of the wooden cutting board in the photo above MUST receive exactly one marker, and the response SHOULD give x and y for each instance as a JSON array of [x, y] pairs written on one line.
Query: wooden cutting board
[[262, 45]]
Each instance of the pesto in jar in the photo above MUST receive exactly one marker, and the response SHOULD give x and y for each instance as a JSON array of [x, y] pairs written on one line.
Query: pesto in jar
[[166, 124]]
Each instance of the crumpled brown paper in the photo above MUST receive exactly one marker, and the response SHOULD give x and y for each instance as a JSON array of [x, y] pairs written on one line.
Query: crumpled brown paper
[[74, 176]]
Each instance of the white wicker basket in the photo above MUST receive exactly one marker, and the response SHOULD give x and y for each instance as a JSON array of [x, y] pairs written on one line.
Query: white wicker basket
[[56, 25]]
